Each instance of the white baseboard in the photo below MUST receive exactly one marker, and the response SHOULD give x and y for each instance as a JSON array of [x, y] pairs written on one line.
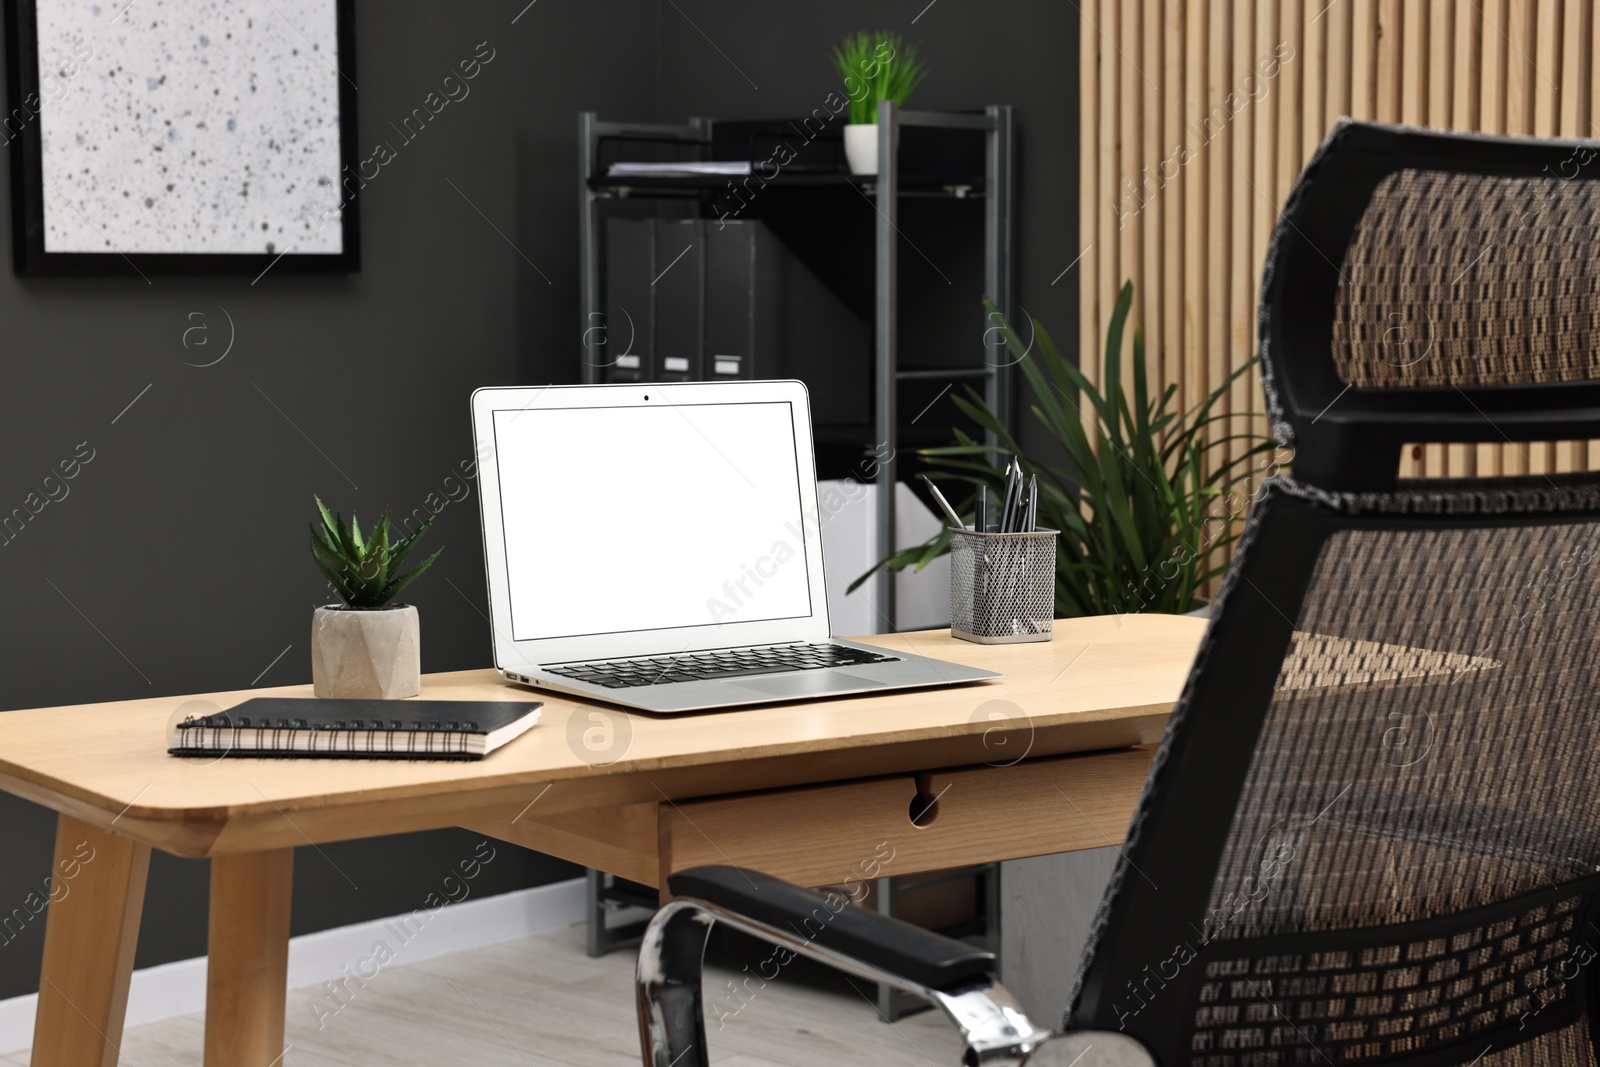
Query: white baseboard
[[179, 988]]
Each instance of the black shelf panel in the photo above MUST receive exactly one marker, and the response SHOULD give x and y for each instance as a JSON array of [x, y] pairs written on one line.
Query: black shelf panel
[[795, 153], [956, 188], [943, 374]]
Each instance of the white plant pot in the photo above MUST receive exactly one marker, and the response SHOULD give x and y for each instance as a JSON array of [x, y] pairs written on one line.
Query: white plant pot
[[366, 653], [861, 147]]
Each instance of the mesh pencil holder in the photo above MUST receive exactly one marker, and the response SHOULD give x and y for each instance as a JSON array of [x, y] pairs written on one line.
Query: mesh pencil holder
[[1002, 586]]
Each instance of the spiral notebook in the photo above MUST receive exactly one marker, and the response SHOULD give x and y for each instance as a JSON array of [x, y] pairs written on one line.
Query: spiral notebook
[[355, 729]]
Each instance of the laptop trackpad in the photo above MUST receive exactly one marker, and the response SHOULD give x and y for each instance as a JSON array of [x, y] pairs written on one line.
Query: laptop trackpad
[[809, 684]]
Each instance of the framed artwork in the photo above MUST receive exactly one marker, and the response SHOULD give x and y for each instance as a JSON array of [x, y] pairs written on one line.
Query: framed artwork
[[182, 136]]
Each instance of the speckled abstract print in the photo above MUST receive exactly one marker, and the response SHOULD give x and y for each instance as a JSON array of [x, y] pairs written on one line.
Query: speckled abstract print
[[201, 126]]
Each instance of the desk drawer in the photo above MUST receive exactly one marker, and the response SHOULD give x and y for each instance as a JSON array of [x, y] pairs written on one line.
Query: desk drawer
[[831, 834]]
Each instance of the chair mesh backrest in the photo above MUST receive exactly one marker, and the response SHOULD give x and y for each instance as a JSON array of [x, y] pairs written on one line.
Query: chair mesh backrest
[[1405, 869], [1429, 751], [1470, 279]]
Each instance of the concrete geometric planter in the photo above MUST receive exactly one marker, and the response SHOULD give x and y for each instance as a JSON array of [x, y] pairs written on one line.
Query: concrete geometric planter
[[366, 653]]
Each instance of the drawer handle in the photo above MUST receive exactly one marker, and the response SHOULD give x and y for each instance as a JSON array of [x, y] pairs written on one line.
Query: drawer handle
[[924, 807]]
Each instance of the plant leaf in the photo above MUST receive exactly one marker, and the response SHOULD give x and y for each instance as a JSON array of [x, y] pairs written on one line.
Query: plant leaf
[[375, 567], [330, 566], [337, 534], [403, 545], [394, 587], [1141, 488]]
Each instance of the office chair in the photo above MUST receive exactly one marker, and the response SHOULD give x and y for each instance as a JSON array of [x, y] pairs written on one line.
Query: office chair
[[1371, 833]]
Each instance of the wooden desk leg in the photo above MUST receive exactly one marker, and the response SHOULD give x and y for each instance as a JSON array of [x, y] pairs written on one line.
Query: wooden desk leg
[[89, 938], [247, 973]]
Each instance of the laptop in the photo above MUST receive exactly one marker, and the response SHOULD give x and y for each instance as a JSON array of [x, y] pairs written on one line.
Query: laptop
[[657, 546]]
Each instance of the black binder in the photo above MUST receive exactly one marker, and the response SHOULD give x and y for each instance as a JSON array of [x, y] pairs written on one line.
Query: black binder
[[621, 344], [723, 300], [679, 285], [730, 301]]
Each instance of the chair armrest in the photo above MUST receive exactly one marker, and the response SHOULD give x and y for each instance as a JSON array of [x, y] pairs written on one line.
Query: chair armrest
[[879, 941], [953, 977]]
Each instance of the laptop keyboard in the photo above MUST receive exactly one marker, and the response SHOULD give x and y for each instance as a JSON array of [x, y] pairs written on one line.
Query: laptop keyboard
[[723, 663]]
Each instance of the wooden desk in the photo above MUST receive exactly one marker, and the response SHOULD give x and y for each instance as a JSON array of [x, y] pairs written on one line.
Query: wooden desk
[[813, 792]]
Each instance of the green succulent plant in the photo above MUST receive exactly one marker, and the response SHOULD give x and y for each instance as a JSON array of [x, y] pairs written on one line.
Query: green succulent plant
[[363, 570], [876, 66]]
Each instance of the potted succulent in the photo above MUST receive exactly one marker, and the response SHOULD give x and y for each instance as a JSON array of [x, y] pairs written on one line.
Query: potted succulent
[[875, 66], [367, 647]]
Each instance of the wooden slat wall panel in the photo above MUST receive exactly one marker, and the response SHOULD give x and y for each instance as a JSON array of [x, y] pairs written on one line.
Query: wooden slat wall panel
[[1313, 75], [1263, 200], [1468, 65], [1492, 119], [1243, 269], [1218, 160], [1197, 116], [1112, 272], [1151, 218], [1196, 207], [1521, 80], [1170, 249], [1130, 99], [1434, 110], [1430, 27], [1090, 198], [1587, 125]]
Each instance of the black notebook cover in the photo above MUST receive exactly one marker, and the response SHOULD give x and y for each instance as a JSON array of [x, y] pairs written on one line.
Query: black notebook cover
[[355, 729]]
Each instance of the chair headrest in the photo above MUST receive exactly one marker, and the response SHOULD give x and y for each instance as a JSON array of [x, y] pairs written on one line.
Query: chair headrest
[[1425, 286]]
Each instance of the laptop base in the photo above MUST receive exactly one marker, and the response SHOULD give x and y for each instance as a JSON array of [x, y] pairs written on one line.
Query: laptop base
[[904, 671]]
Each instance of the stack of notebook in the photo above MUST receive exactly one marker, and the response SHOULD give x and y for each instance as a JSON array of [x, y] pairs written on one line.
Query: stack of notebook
[[355, 729]]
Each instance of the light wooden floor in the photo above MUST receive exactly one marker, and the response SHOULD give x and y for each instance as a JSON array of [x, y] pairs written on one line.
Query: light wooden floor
[[540, 1002]]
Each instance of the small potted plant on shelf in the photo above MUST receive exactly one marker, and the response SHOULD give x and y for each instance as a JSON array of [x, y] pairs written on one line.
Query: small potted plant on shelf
[[875, 66], [367, 647]]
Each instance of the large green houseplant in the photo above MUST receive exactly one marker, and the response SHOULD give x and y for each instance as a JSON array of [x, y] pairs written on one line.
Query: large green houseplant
[[1146, 492]]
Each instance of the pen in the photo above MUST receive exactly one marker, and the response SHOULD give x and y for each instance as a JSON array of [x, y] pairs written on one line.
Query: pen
[[980, 521], [1010, 559], [1008, 518], [1016, 514], [944, 505], [1005, 500]]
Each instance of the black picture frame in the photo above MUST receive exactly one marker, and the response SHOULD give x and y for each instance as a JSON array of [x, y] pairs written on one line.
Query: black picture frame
[[23, 82]]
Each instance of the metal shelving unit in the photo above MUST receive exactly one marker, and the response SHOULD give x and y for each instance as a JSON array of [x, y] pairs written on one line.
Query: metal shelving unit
[[999, 253], [885, 191]]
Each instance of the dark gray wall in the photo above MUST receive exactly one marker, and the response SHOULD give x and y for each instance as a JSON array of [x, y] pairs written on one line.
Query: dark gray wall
[[182, 545], [177, 563]]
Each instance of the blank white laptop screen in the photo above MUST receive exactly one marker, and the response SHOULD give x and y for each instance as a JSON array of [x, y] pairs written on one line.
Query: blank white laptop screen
[[628, 518]]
